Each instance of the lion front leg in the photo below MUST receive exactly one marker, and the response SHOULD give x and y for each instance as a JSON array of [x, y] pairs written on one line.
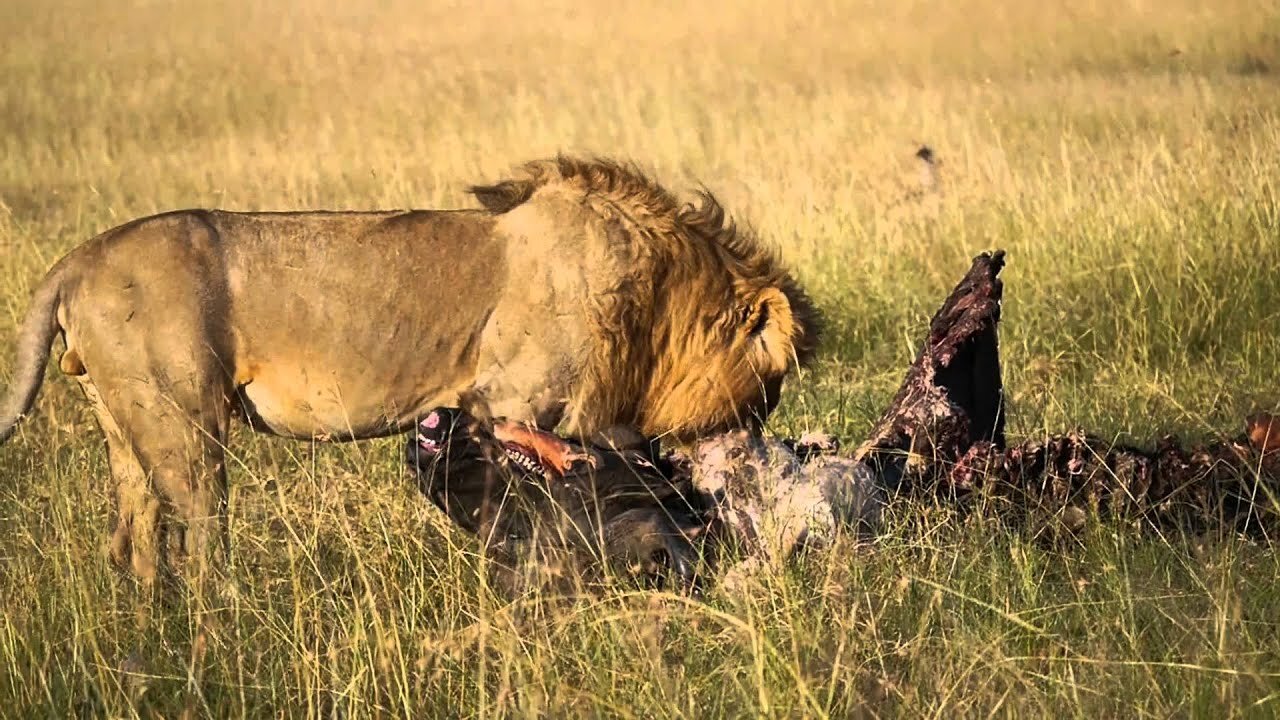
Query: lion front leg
[[530, 395], [530, 360]]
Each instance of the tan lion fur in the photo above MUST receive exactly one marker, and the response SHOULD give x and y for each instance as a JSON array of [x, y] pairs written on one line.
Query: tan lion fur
[[583, 295]]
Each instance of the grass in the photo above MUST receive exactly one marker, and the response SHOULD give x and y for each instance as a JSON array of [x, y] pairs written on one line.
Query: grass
[[1123, 154]]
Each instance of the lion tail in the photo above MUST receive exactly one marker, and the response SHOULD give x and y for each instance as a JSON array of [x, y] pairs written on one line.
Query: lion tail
[[35, 340]]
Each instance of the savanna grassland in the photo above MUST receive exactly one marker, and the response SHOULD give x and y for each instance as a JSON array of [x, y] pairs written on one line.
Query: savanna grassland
[[1124, 154]]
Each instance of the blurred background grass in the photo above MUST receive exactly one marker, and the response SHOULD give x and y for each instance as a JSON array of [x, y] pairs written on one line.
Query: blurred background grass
[[1123, 154]]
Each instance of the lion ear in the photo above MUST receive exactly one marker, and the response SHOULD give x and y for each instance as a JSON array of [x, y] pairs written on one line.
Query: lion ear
[[770, 323], [504, 196]]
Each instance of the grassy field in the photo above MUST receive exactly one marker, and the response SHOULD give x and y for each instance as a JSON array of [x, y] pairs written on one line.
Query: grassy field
[[1124, 154]]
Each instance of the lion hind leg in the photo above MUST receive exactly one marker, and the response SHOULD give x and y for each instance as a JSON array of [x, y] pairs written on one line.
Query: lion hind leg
[[166, 443], [134, 542], [153, 339], [181, 446], [136, 539]]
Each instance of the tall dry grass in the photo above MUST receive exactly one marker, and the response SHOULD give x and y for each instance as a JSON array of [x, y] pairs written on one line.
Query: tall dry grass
[[1124, 155]]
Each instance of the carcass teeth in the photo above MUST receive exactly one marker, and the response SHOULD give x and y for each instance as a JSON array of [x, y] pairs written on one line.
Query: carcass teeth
[[524, 461]]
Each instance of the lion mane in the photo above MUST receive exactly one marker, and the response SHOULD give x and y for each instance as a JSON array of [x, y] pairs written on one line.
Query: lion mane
[[694, 285]]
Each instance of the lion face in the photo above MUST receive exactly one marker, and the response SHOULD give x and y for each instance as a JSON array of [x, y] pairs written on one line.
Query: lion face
[[731, 371]]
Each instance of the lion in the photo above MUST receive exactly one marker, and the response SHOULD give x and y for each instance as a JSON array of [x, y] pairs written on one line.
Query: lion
[[580, 295]]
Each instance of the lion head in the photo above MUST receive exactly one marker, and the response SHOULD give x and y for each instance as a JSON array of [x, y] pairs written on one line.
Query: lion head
[[703, 322], [730, 329]]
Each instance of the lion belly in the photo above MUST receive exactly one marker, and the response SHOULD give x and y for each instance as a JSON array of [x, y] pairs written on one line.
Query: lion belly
[[291, 402]]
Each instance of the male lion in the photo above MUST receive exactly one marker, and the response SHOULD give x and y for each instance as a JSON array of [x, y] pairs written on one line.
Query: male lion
[[582, 295]]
